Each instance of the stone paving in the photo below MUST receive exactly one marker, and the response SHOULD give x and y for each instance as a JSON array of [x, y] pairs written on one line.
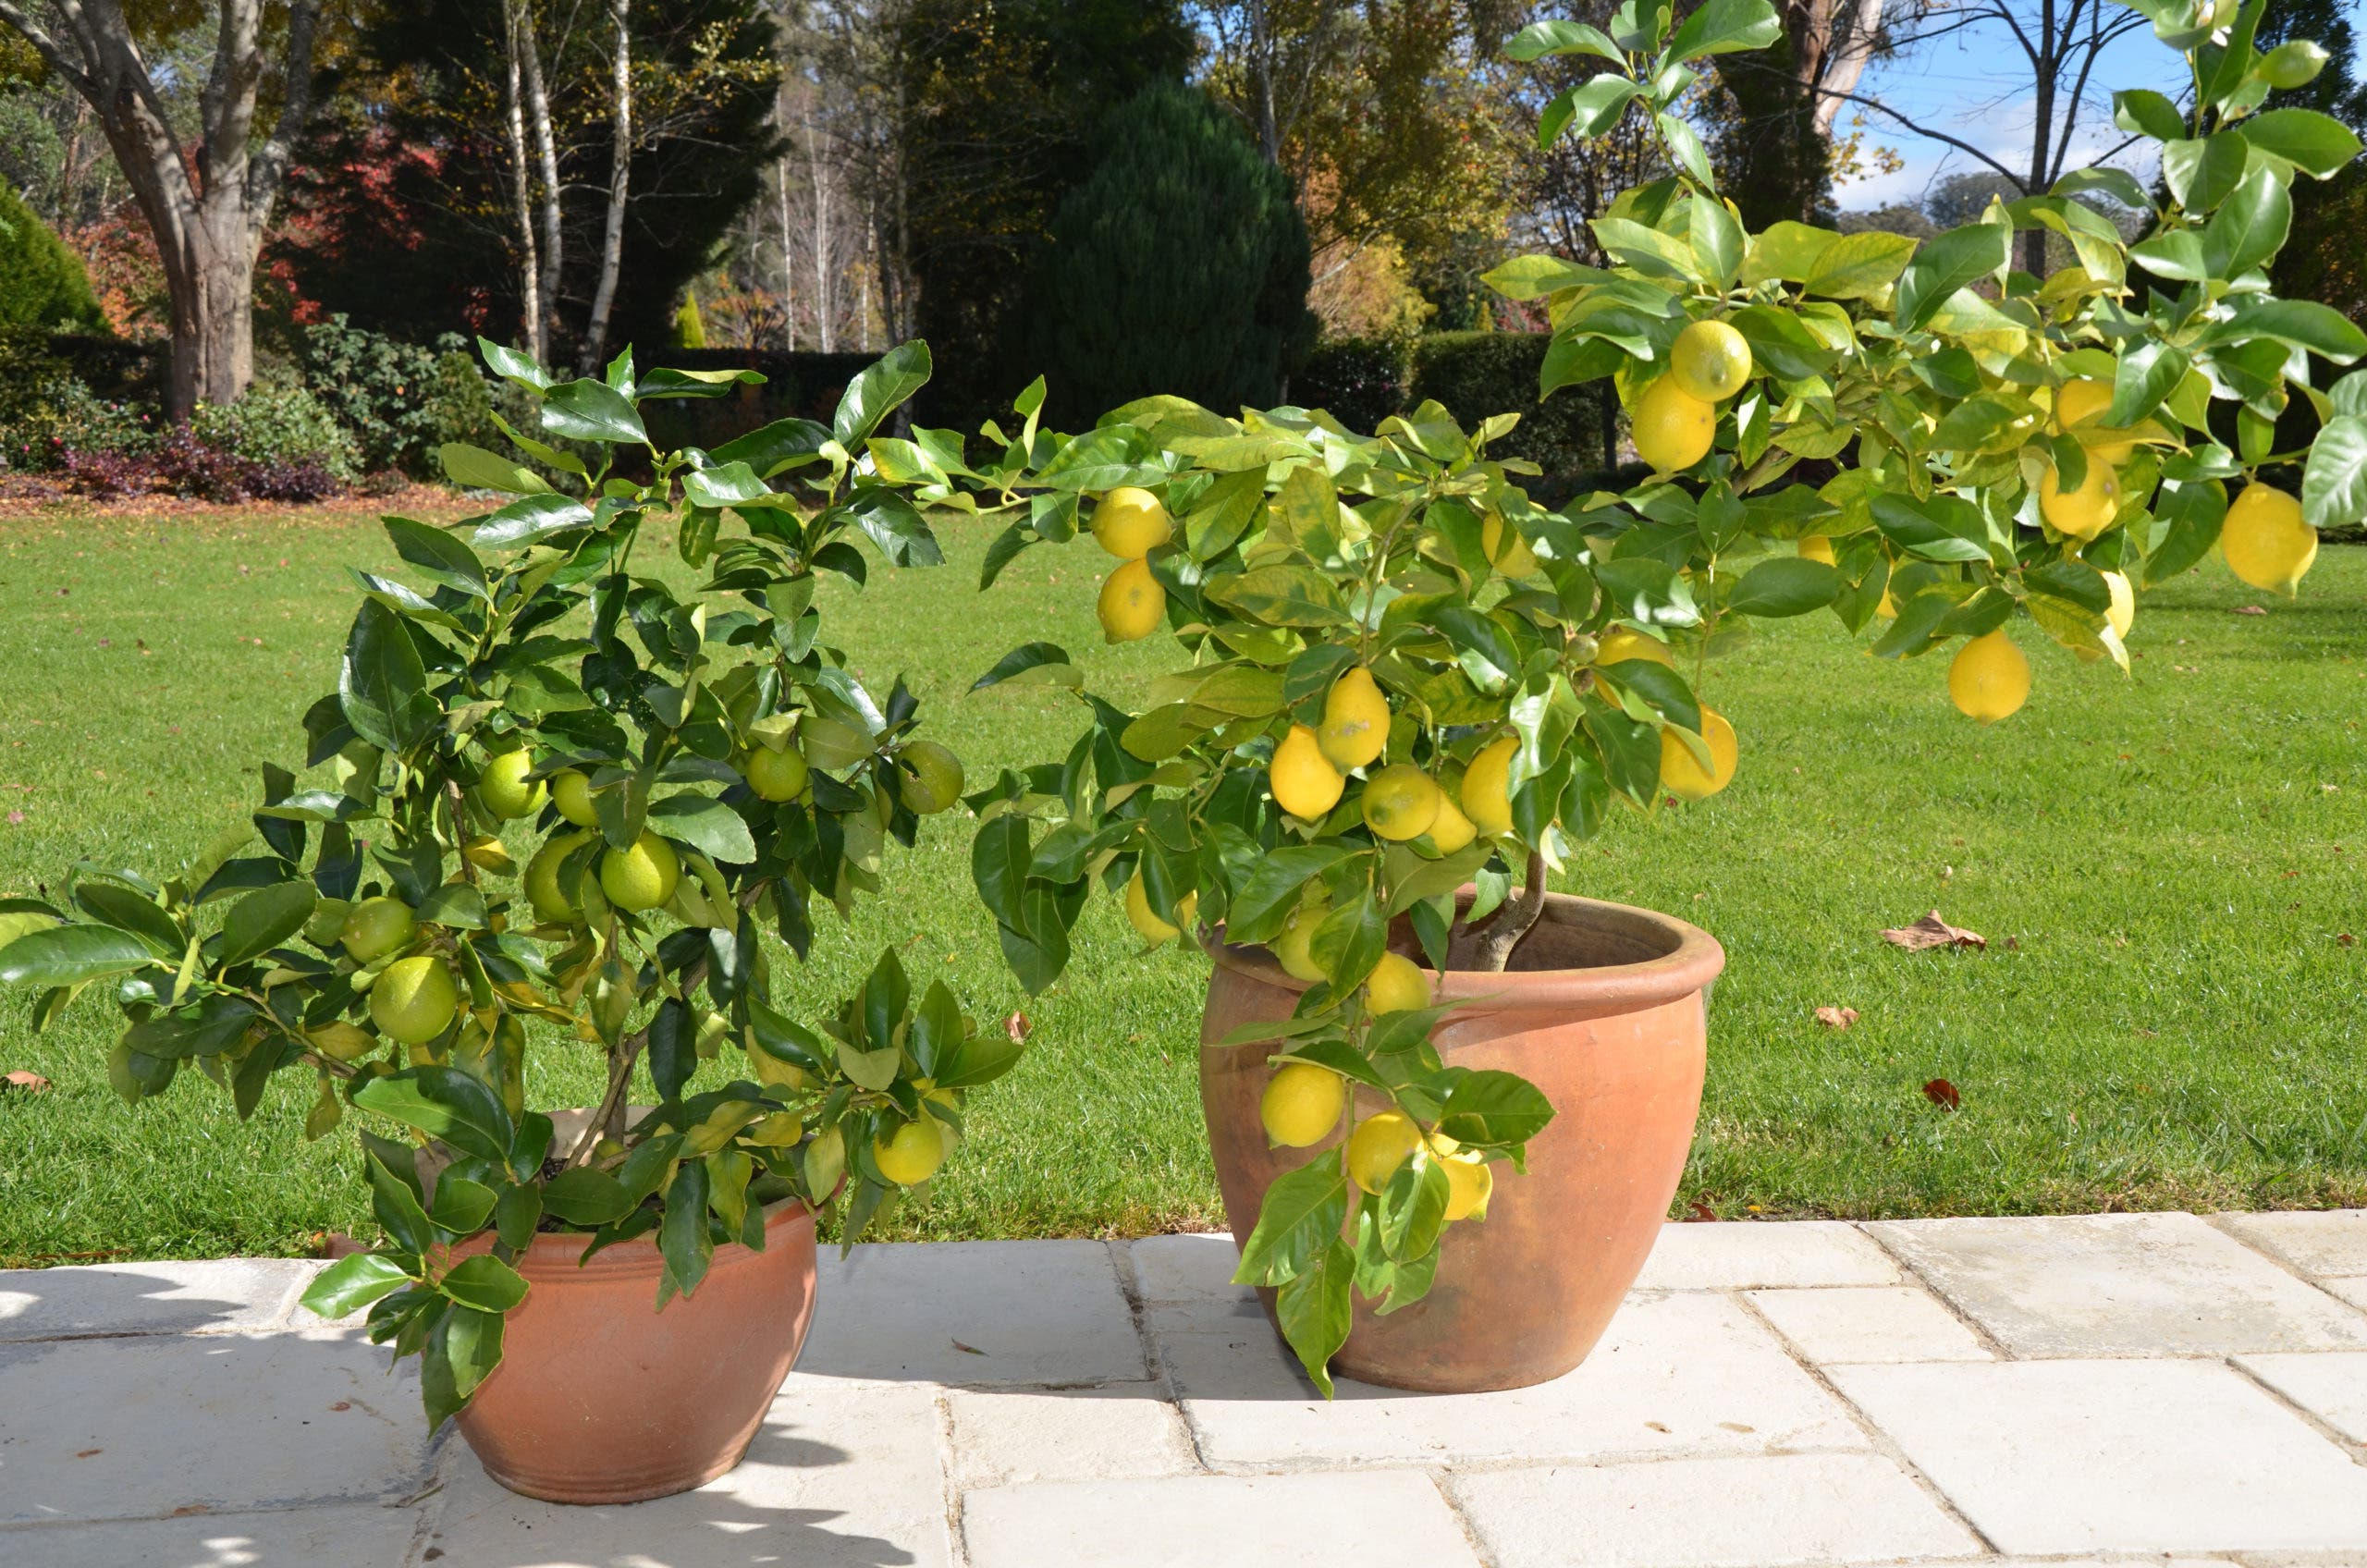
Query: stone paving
[[2150, 1388]]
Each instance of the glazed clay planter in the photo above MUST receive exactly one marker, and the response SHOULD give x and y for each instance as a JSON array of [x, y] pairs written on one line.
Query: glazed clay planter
[[1603, 1008], [601, 1398]]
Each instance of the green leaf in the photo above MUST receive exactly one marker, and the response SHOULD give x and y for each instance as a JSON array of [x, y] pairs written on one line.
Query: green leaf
[[1281, 596], [682, 1238], [1781, 343], [437, 553], [1037, 661], [1945, 264], [474, 468], [529, 519], [382, 686], [1256, 910], [484, 1282], [2144, 112], [1494, 1110], [1725, 27], [112, 904], [2334, 490], [470, 1341], [1533, 277], [512, 365], [707, 824], [351, 1283], [461, 1206], [1557, 37], [783, 444], [2145, 375], [1783, 585], [2203, 173], [69, 955], [727, 485], [2316, 328], [2315, 142], [880, 388], [586, 409], [586, 1199], [1590, 109], [1859, 266], [444, 1103], [2114, 182], [1303, 1212], [263, 919], [1413, 1208], [2248, 228], [1314, 1312]]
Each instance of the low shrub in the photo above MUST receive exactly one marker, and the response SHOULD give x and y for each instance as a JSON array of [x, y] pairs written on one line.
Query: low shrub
[[1359, 381], [400, 400], [278, 424]]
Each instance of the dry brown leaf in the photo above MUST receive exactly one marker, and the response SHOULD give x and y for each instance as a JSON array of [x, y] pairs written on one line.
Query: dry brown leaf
[[1698, 1212], [1932, 931], [31, 1083], [1017, 1027], [1836, 1016], [1942, 1093], [2250, 609]]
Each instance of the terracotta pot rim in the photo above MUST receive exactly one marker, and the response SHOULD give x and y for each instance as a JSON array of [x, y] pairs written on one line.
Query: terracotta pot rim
[[552, 1254], [1690, 959]]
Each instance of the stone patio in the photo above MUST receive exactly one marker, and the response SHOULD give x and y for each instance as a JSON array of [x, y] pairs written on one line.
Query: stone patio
[[2157, 1388]]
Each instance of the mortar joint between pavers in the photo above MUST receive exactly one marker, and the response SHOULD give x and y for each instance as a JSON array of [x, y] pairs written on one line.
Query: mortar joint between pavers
[[1442, 1481], [948, 1471], [1930, 1287], [1880, 1441], [1154, 1362], [2357, 1451]]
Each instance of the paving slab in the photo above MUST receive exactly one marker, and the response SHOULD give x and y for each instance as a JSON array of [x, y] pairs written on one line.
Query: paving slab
[[839, 1476], [349, 1537], [1869, 1323], [216, 1295], [2351, 1291], [1707, 1513], [973, 1313], [1380, 1519], [1741, 1256], [1186, 1268], [2120, 1284], [139, 1428], [2116, 1456], [1120, 1431], [2330, 1384], [2327, 1241], [1688, 1374]]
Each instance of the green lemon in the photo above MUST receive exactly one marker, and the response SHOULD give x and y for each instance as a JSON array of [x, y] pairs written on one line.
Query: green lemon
[[414, 1000], [641, 877], [506, 791], [776, 775], [551, 906], [377, 926], [932, 776], [572, 794]]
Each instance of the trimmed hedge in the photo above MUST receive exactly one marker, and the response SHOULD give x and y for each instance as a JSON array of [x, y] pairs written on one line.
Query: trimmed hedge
[[803, 386], [43, 284], [1359, 381]]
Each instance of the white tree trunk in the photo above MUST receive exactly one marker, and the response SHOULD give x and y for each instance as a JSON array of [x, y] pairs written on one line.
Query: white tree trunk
[[529, 291], [612, 239], [538, 113]]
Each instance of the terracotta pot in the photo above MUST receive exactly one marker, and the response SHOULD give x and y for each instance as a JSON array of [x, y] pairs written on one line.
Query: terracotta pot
[[1603, 1010], [601, 1398]]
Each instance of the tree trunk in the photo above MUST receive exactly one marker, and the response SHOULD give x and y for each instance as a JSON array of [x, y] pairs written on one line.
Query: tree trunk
[[1488, 946], [1261, 83], [612, 239], [538, 115], [530, 288]]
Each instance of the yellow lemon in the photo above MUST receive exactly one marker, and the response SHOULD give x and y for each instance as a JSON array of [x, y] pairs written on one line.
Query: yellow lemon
[[1487, 797], [1356, 721], [504, 789], [1146, 919], [1506, 548], [1709, 361], [1305, 782], [1381, 1143], [1130, 523], [551, 906], [1989, 678], [1400, 801], [1672, 428], [641, 877], [1450, 830], [572, 794], [1132, 603], [2082, 401], [1396, 985], [931, 776], [1681, 771], [1622, 643], [2122, 612], [1291, 949], [1468, 1183], [776, 775], [1816, 548], [1301, 1104], [911, 1154], [2266, 541], [2086, 511], [377, 926], [414, 1000]]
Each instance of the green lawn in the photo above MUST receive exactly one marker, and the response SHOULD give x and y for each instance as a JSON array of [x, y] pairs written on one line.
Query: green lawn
[[2174, 1022]]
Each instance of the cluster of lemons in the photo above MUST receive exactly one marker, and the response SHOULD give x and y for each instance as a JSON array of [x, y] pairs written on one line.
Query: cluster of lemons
[[1304, 1104]]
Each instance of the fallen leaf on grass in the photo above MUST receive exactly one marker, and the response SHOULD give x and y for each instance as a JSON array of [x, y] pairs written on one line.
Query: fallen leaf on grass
[[1942, 1093], [1698, 1212], [1017, 1027], [2345, 939], [2250, 609], [31, 1083], [1932, 931], [1836, 1016]]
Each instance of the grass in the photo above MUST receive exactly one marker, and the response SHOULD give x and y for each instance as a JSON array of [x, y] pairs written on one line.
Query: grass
[[2164, 1015]]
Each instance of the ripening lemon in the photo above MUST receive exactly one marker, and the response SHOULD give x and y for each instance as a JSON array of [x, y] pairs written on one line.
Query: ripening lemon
[[641, 877], [2266, 541], [776, 775], [572, 794], [1132, 603], [2121, 613], [2079, 401], [1450, 830], [1816, 548], [1146, 919], [2086, 511], [1381, 1143], [377, 926], [414, 1000], [1293, 950], [1130, 523], [551, 906], [1396, 985], [1989, 678], [1506, 548], [1622, 643], [1305, 782], [506, 791], [1709, 361], [1672, 428], [1681, 771], [1301, 1104], [1487, 795], [932, 776], [1356, 721], [1468, 1183], [1401, 801], [911, 1154]]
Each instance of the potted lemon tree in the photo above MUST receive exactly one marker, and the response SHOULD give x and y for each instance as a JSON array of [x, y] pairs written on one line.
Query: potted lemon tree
[[557, 799], [1448, 1107]]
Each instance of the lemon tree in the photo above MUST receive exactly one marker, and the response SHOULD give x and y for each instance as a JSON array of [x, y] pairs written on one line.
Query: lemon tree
[[683, 772]]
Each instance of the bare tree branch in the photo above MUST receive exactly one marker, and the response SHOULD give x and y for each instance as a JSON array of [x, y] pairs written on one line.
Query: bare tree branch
[[1956, 141]]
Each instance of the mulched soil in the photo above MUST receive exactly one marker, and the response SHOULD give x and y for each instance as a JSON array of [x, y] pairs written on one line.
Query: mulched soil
[[37, 497]]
